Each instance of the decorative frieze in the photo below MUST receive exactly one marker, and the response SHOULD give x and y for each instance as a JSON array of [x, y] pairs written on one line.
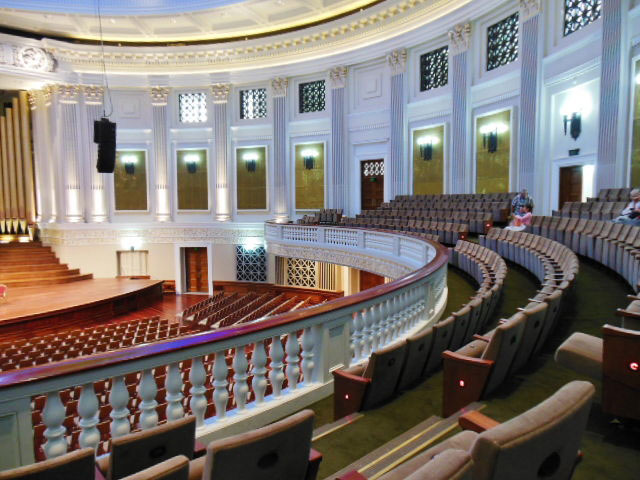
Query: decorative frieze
[[529, 8], [338, 76], [159, 96], [220, 92], [397, 61], [459, 38], [279, 87], [93, 95], [67, 93], [26, 57]]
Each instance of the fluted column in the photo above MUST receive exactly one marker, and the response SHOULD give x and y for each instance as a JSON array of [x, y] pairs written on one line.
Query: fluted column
[[68, 152], [531, 55], [338, 173], [398, 164], [95, 197], [613, 95], [159, 99], [44, 198], [220, 93], [281, 199], [460, 112]]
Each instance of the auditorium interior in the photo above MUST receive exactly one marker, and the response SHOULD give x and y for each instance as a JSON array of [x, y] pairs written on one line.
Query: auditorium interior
[[319, 239]]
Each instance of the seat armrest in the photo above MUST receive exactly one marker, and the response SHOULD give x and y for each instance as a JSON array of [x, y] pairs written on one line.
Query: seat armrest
[[464, 380], [626, 313], [481, 338], [348, 393], [476, 422], [199, 449], [99, 475], [315, 457], [352, 475]]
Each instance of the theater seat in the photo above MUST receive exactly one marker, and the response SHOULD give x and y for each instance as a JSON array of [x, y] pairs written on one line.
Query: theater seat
[[78, 464], [581, 353], [281, 450], [176, 468], [542, 442]]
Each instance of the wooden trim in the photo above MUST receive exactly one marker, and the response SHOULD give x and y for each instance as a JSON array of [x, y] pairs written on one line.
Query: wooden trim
[[476, 421], [474, 372], [72, 366]]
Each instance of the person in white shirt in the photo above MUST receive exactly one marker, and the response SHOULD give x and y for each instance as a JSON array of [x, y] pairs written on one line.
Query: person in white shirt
[[631, 213]]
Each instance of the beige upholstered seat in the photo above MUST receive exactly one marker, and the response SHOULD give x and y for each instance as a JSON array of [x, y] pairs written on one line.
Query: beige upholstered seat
[[176, 468], [581, 353], [78, 464], [449, 465], [277, 451]]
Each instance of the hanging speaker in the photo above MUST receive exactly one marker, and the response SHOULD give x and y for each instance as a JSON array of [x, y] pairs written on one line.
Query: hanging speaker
[[104, 134]]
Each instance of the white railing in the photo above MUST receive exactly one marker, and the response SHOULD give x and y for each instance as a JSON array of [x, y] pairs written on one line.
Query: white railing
[[232, 377]]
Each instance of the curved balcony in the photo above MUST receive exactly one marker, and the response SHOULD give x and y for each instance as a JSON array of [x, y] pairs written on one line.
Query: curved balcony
[[252, 373]]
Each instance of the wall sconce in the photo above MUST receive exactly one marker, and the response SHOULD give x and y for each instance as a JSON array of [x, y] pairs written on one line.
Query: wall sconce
[[250, 161], [130, 163], [309, 156], [576, 106], [426, 144], [575, 124], [490, 134], [192, 160]]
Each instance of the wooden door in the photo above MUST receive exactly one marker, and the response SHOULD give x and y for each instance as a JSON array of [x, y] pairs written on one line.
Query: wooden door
[[369, 280], [196, 270], [570, 184], [371, 184]]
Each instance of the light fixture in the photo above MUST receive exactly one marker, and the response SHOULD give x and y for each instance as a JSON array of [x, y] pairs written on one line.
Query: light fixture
[[309, 156], [250, 161], [191, 160], [130, 161], [577, 105], [490, 134], [426, 144]]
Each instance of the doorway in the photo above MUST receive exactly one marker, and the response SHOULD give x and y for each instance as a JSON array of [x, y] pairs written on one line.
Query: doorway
[[371, 184], [570, 185], [370, 280], [196, 269]]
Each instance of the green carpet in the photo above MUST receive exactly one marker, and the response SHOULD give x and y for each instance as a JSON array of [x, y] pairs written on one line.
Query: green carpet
[[610, 451]]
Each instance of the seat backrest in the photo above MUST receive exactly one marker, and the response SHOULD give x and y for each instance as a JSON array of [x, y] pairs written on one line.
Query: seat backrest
[[536, 313], [451, 464], [442, 333], [383, 369], [277, 451], [137, 451], [418, 348], [176, 468], [502, 349], [77, 464], [541, 443]]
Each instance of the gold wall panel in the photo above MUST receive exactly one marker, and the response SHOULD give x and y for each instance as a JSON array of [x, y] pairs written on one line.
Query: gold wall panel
[[131, 188], [252, 186], [428, 175], [492, 169], [309, 182], [193, 180], [635, 147]]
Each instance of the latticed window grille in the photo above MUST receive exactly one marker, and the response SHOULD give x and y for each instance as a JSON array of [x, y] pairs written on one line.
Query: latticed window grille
[[251, 264], [301, 273], [311, 96], [373, 169], [434, 69], [253, 103], [192, 107], [502, 42], [580, 13]]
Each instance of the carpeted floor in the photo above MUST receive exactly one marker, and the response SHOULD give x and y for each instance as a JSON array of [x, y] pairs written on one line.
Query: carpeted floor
[[610, 451]]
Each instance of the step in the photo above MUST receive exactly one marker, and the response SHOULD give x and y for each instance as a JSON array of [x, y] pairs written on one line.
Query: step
[[37, 267], [7, 277], [22, 253], [47, 281]]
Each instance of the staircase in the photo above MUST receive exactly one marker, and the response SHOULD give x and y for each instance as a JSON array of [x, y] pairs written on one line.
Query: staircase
[[31, 264]]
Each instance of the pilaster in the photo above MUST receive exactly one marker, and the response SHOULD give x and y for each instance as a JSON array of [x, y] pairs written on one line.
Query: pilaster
[[281, 198], [338, 173], [159, 101], [220, 94]]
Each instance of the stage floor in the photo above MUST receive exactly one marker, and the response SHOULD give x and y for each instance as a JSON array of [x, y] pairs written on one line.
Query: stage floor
[[30, 303]]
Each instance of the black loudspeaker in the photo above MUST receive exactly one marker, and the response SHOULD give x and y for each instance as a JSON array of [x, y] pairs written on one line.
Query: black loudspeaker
[[104, 134]]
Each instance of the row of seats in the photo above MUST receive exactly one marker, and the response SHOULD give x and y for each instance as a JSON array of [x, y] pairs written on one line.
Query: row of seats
[[592, 210], [326, 216], [466, 197], [612, 195], [402, 364], [477, 369], [447, 232], [479, 222], [201, 305]]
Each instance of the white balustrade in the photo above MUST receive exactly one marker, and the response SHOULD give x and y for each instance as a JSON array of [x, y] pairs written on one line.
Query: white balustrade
[[240, 387], [276, 377], [198, 377], [119, 398], [367, 333], [173, 386], [308, 343], [88, 408], [220, 393], [53, 416], [293, 369], [259, 361], [358, 335], [148, 391]]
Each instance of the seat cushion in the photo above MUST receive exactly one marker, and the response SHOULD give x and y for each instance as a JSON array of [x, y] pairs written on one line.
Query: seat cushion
[[449, 465], [581, 353]]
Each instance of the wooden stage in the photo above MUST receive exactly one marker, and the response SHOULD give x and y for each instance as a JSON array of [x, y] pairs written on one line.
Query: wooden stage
[[70, 303]]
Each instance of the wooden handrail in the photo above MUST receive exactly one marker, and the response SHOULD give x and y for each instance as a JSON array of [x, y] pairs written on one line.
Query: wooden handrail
[[38, 373]]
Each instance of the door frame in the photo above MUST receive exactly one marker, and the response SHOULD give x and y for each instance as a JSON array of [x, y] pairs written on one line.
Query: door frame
[[578, 168], [384, 183], [181, 276], [577, 161]]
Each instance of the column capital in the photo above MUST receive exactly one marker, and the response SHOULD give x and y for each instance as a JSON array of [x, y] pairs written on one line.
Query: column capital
[[220, 92], [93, 95], [47, 93], [32, 98], [397, 60], [159, 96], [338, 76], [67, 93], [279, 86], [529, 8], [459, 38]]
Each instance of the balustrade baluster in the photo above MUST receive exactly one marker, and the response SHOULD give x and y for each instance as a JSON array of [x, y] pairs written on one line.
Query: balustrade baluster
[[220, 393], [240, 387], [308, 344], [276, 377], [119, 398], [88, 408], [293, 360], [352, 338], [357, 335], [198, 402], [147, 390], [388, 321], [375, 335], [259, 361], [53, 416], [367, 333], [173, 386]]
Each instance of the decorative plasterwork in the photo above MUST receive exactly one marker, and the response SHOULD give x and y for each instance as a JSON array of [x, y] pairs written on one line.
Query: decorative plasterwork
[[338, 76], [220, 92], [67, 93], [459, 38], [397, 61], [279, 87], [47, 93], [27, 57], [159, 96], [93, 95], [32, 98], [529, 8]]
